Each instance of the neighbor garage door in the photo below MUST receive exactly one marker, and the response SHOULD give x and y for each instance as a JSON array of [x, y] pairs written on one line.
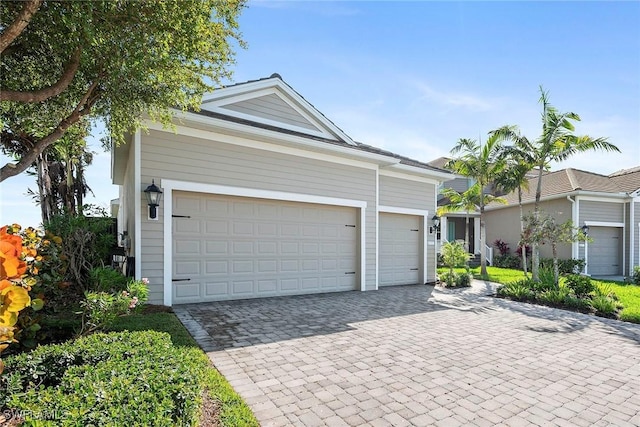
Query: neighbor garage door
[[400, 237], [605, 252], [234, 247]]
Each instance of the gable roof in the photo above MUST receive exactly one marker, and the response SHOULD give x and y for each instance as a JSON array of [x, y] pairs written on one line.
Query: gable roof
[[272, 102], [566, 181], [249, 103]]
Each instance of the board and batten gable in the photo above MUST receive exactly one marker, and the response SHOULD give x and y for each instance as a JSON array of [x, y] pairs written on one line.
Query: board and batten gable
[[271, 107], [184, 158]]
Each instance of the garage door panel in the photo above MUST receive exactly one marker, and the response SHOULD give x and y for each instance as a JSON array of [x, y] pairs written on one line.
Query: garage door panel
[[255, 248], [400, 250], [605, 251]]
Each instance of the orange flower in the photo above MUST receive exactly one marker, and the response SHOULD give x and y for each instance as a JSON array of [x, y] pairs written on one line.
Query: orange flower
[[10, 250]]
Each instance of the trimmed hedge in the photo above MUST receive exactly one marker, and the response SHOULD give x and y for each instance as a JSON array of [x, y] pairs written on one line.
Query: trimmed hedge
[[119, 378]]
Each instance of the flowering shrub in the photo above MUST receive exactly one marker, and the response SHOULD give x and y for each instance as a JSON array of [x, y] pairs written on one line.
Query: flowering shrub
[[502, 246], [100, 309], [17, 277]]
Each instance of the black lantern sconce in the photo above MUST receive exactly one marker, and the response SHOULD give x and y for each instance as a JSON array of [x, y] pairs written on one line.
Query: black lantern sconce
[[435, 220], [153, 198], [585, 229]]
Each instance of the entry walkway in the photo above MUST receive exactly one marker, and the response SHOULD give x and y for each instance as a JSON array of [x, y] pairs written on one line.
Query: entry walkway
[[421, 356]]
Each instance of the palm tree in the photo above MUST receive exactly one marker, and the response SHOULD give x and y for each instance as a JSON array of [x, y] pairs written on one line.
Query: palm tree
[[483, 163], [519, 162], [467, 201], [556, 143]]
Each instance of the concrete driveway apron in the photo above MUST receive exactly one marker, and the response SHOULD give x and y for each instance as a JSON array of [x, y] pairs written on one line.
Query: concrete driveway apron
[[421, 356]]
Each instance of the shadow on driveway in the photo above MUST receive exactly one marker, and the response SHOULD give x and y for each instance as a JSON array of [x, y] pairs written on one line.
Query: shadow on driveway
[[244, 323]]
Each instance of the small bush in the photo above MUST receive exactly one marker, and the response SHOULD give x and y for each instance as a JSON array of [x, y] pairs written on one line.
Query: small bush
[[546, 276], [448, 278], [464, 279], [507, 261], [101, 309], [604, 305], [580, 285], [519, 290], [636, 275], [565, 266], [106, 279], [454, 254], [554, 297], [502, 246], [124, 378], [578, 304]]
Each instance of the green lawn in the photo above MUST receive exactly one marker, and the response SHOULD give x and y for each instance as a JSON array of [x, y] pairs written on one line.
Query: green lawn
[[628, 294], [233, 411]]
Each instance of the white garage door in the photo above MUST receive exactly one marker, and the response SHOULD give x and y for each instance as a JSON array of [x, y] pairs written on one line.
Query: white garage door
[[399, 258], [605, 252], [234, 248]]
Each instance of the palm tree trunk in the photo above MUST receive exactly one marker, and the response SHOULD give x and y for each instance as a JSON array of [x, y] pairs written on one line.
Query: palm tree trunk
[[535, 262], [483, 237], [523, 248], [466, 232]]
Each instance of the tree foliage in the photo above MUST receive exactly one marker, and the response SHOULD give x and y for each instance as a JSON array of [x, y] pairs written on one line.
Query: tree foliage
[[114, 59], [541, 228], [557, 142], [483, 163]]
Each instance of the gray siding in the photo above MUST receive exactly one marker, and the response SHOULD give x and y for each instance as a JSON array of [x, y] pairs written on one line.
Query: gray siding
[[504, 224], [601, 211], [271, 107], [170, 156], [459, 184], [402, 193], [635, 229]]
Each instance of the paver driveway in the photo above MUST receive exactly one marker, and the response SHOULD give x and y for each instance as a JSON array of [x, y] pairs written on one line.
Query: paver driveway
[[421, 356]]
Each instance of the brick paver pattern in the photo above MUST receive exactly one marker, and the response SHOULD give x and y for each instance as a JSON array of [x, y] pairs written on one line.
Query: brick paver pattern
[[421, 356]]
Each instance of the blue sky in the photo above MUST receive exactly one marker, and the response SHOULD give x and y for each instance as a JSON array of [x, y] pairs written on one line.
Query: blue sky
[[414, 77]]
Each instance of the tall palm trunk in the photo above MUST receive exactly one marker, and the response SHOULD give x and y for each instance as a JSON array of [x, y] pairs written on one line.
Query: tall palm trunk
[[466, 232], [523, 248], [535, 262]]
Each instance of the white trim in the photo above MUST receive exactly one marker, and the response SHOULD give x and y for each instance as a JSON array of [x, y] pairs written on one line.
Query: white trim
[[424, 214], [263, 139], [169, 185], [624, 237], [617, 198], [377, 229], [632, 236], [604, 224], [415, 173], [137, 185], [404, 211]]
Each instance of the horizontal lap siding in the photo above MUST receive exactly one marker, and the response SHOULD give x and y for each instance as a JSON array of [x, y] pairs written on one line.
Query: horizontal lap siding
[[402, 193], [504, 223], [169, 156], [601, 211]]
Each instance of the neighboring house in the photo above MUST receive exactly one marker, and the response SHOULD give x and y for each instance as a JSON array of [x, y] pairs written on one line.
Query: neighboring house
[[608, 205], [264, 196], [452, 225]]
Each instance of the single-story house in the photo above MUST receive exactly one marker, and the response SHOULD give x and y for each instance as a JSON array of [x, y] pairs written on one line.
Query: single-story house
[[608, 205], [262, 195]]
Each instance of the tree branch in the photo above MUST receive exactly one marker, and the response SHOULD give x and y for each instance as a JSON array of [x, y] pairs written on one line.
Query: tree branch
[[82, 109], [19, 24], [51, 91]]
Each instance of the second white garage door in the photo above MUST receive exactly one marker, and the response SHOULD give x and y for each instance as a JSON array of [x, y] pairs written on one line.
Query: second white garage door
[[400, 237], [235, 247], [605, 252]]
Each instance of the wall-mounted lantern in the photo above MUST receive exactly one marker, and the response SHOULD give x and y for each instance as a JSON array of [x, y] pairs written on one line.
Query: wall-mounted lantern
[[435, 221], [585, 229], [153, 198]]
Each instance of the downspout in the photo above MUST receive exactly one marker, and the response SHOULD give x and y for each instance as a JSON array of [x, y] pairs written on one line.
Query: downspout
[[574, 215], [632, 235]]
